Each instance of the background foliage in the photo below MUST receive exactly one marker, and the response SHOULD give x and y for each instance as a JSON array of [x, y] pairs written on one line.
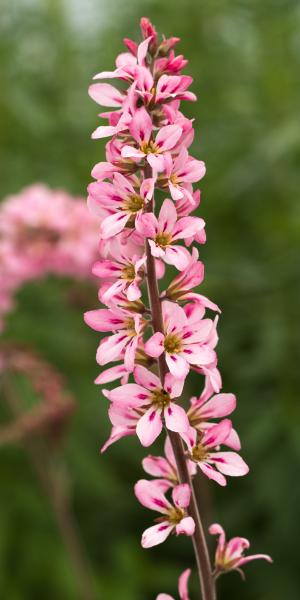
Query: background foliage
[[244, 57]]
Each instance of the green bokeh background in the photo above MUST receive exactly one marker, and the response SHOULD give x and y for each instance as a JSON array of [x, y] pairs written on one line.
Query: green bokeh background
[[245, 60]]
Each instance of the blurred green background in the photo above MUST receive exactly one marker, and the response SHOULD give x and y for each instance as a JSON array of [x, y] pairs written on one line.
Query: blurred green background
[[245, 60]]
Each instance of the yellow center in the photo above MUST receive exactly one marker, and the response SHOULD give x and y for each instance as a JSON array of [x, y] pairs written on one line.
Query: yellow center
[[174, 179], [199, 453], [160, 398], [175, 515], [172, 343], [133, 204], [163, 239], [150, 148], [128, 273]]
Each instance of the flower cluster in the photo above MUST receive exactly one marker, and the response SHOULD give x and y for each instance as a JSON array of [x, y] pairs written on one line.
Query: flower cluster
[[143, 197], [43, 231]]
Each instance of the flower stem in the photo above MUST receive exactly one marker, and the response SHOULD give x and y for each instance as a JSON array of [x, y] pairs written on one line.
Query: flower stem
[[199, 542]]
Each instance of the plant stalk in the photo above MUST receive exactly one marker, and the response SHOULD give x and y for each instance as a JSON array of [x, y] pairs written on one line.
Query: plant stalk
[[207, 584]]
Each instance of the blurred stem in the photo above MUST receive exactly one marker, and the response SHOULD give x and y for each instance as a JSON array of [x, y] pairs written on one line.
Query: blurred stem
[[199, 542], [52, 485]]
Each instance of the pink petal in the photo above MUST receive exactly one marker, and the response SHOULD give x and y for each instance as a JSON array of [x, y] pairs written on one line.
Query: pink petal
[[149, 494], [175, 191], [103, 319], [156, 161], [131, 152], [168, 136], [176, 418], [141, 126], [217, 434], [183, 585], [113, 224], [155, 345], [116, 434], [198, 355], [143, 50], [133, 292], [156, 535], [247, 559], [105, 94], [146, 378], [230, 463], [210, 472], [111, 374], [104, 131], [186, 526], [167, 216], [173, 385], [157, 466], [149, 427], [174, 316], [129, 356], [187, 227], [130, 394], [177, 256], [218, 406], [146, 225], [233, 441], [216, 529], [177, 365], [181, 495], [111, 348]]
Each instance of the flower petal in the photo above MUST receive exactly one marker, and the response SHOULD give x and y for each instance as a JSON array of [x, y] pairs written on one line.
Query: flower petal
[[150, 495], [183, 585], [181, 495], [146, 378], [156, 535], [130, 394], [106, 94], [141, 126], [230, 463], [176, 418], [211, 473], [149, 427], [186, 526], [177, 364], [155, 345]]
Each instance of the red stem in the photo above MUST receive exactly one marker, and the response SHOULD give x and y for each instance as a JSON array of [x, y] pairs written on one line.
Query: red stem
[[207, 584]]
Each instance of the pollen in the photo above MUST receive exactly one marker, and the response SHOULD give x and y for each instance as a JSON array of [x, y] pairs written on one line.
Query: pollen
[[160, 398], [128, 273], [199, 453], [175, 515], [163, 239], [150, 148], [172, 344], [133, 204]]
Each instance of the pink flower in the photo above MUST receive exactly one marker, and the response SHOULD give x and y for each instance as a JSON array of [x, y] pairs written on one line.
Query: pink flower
[[185, 341], [129, 329], [141, 129], [175, 516], [182, 588], [187, 279], [164, 467], [181, 172], [230, 555], [220, 405], [163, 231], [214, 464], [151, 404], [125, 271], [118, 203]]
